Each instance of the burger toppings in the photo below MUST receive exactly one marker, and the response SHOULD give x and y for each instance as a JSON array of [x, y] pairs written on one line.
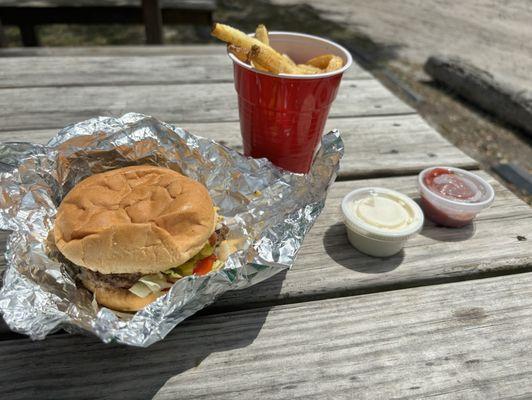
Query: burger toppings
[[120, 226], [204, 266], [211, 257], [148, 284]]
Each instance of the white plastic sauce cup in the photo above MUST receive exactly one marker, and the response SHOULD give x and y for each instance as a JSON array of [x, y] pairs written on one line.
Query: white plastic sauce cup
[[376, 241]]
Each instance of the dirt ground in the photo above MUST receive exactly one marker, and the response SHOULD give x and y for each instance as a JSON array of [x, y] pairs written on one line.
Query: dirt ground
[[392, 39]]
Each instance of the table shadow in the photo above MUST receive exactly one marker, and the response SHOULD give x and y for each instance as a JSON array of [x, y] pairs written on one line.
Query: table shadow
[[340, 250], [441, 233], [74, 366], [444, 234]]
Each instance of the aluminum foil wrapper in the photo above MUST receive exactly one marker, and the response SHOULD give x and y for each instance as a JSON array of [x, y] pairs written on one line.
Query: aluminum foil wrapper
[[268, 211]]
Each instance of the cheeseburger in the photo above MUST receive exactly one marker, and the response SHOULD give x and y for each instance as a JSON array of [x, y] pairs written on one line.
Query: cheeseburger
[[133, 232]]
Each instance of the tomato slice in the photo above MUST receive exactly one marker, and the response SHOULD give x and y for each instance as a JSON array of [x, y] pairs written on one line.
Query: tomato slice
[[204, 266]]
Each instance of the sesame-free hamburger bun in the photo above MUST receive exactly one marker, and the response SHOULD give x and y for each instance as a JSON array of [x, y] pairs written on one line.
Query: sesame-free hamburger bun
[[139, 219]]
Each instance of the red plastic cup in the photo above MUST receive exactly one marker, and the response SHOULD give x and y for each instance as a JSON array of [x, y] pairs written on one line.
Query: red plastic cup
[[282, 117]]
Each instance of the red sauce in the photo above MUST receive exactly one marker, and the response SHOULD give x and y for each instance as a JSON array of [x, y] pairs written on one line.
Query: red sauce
[[441, 217], [449, 185]]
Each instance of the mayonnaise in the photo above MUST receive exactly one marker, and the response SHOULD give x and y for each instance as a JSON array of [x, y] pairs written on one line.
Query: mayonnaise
[[379, 221], [383, 210]]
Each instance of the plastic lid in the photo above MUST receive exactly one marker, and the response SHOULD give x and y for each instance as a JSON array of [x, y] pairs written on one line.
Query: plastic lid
[[483, 199], [382, 214]]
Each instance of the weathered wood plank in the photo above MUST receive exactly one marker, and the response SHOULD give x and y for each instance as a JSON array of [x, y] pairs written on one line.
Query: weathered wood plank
[[52, 107], [132, 70], [464, 340], [374, 146], [327, 266], [180, 4], [115, 51], [28, 14]]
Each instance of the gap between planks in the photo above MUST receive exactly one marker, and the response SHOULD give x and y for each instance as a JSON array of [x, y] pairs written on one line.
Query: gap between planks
[[328, 267], [375, 146], [124, 71], [423, 342], [33, 109]]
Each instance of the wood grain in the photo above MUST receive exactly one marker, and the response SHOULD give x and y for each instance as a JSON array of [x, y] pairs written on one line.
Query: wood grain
[[133, 70], [115, 51], [328, 266], [179, 4], [468, 340], [374, 146], [54, 107]]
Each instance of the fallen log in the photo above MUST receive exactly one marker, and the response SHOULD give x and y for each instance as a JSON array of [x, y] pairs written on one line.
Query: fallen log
[[481, 89]]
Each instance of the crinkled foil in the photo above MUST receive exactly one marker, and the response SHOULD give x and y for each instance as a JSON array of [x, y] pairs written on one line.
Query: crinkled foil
[[268, 210]]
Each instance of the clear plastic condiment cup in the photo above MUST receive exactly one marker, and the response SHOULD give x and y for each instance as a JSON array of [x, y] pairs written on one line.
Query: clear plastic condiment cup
[[449, 212], [373, 240]]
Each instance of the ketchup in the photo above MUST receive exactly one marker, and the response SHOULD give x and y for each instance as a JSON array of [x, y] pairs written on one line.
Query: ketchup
[[443, 218], [449, 185]]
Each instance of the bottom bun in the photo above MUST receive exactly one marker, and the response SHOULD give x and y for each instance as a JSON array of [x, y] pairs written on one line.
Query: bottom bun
[[119, 299]]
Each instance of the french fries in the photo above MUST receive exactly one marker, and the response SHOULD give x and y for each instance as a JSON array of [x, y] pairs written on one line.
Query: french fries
[[257, 52], [271, 60], [335, 63], [239, 52], [309, 69], [288, 59], [320, 62], [257, 66], [261, 33]]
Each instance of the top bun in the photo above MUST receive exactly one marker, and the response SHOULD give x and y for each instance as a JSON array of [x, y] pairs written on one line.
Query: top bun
[[139, 219]]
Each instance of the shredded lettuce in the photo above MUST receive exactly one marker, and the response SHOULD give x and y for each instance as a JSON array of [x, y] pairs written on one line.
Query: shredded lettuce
[[148, 284], [172, 273], [156, 282], [140, 289]]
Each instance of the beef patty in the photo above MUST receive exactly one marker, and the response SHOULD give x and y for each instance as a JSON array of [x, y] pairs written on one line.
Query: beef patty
[[125, 281]]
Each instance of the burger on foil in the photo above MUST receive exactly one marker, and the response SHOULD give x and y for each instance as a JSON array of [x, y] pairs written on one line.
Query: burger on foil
[[133, 232]]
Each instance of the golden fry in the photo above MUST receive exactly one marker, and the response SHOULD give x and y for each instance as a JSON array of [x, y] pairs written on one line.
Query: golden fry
[[271, 60], [266, 56], [257, 52], [243, 56], [239, 52], [335, 63], [327, 62], [309, 69], [258, 66], [261, 33], [287, 58], [255, 64], [320, 62]]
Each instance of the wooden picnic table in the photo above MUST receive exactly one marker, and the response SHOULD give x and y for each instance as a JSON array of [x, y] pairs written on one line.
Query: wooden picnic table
[[448, 317], [28, 14]]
